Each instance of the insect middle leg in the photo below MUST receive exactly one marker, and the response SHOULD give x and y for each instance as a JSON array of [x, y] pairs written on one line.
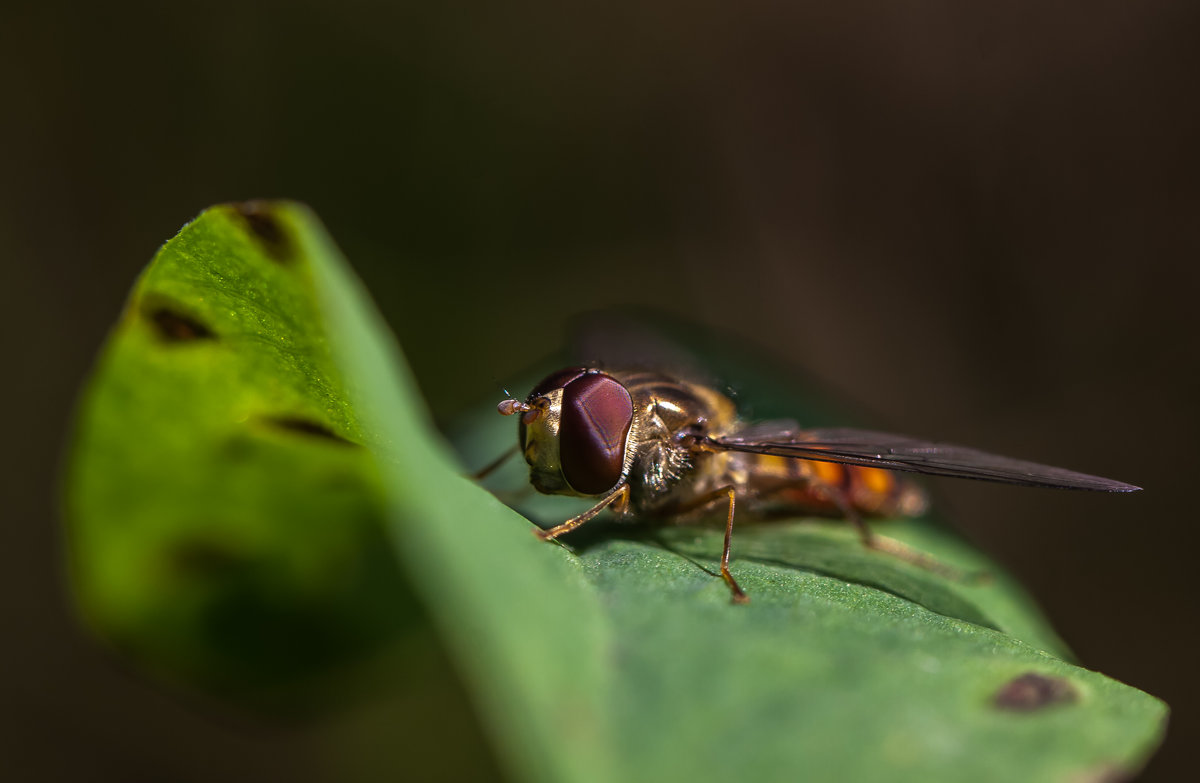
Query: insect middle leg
[[739, 596]]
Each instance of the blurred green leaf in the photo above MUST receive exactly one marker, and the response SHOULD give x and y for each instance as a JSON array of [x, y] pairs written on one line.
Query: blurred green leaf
[[622, 661], [226, 520]]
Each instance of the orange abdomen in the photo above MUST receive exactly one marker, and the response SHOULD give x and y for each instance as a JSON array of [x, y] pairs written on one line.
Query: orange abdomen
[[814, 487]]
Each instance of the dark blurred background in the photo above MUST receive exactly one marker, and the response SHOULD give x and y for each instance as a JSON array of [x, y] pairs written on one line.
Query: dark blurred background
[[976, 220]]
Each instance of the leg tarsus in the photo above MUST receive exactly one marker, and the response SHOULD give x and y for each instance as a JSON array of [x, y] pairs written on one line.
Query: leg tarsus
[[737, 595]]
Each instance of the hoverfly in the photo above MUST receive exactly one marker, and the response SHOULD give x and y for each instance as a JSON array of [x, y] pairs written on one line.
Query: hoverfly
[[652, 445]]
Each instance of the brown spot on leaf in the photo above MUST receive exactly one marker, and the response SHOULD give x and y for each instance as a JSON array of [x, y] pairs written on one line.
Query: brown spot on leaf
[[175, 326], [1033, 692], [268, 229], [307, 427]]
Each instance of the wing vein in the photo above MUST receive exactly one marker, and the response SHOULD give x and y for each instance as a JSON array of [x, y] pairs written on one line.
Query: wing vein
[[896, 452]]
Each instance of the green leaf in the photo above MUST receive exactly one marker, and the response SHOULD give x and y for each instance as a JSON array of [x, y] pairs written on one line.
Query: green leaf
[[622, 660], [226, 522]]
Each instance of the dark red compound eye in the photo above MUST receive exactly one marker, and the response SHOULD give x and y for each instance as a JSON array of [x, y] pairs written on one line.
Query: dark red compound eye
[[555, 380], [597, 412]]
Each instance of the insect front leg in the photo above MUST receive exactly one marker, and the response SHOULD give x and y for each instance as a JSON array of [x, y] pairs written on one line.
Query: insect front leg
[[618, 498], [491, 467]]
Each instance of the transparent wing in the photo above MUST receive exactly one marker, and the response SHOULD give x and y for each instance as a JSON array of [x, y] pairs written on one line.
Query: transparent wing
[[896, 452]]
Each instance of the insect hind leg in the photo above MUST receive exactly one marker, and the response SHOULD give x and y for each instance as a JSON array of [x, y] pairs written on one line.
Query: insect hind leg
[[903, 551], [890, 546]]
